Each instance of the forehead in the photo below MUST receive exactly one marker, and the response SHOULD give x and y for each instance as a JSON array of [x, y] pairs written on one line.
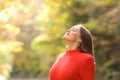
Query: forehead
[[76, 27]]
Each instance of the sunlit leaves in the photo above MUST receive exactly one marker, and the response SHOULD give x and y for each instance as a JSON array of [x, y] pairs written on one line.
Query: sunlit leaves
[[10, 28], [3, 17], [91, 25], [10, 46], [103, 3], [43, 14], [9, 20]]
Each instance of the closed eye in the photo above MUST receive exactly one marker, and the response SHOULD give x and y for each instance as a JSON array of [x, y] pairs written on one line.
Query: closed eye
[[74, 30]]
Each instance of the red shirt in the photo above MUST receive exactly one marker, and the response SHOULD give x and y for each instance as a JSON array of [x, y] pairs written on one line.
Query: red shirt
[[73, 65]]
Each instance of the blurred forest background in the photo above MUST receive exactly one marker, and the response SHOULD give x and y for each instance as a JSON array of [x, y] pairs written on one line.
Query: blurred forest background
[[31, 35]]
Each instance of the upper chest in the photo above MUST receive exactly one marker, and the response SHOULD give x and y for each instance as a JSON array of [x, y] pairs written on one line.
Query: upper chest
[[66, 67]]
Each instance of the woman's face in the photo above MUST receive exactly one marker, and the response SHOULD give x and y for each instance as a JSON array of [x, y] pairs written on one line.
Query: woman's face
[[72, 35]]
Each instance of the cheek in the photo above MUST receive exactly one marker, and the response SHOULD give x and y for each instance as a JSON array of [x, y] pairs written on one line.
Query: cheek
[[74, 35]]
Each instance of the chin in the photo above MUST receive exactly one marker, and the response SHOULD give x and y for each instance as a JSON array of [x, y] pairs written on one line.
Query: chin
[[66, 39]]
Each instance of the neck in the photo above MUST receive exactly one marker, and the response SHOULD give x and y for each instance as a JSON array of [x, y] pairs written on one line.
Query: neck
[[72, 46]]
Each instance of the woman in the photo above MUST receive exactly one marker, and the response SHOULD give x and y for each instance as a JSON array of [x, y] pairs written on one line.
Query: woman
[[77, 63]]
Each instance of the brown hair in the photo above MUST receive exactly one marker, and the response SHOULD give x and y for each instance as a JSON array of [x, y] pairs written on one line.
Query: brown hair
[[87, 41]]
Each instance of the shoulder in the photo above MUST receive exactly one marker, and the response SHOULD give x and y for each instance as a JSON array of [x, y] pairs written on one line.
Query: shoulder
[[88, 59], [85, 57], [60, 56]]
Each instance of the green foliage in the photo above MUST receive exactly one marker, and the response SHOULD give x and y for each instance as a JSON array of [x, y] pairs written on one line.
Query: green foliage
[[5, 66]]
